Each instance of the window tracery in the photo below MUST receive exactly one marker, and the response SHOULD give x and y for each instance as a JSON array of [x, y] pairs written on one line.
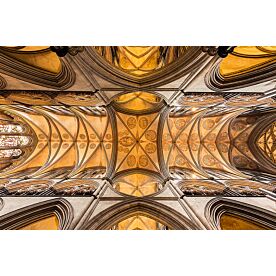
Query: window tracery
[[267, 142], [14, 139]]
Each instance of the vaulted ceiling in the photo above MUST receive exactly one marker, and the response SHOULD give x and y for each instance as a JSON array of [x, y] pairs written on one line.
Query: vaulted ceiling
[[136, 117]]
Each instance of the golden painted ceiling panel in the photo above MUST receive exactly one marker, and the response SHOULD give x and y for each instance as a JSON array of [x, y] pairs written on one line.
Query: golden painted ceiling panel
[[137, 142], [198, 143]]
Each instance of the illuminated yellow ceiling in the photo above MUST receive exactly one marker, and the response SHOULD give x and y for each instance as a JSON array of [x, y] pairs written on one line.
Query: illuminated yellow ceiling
[[137, 138], [79, 143]]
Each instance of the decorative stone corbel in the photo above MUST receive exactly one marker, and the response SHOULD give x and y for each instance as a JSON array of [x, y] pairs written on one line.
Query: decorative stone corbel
[[222, 51], [62, 51]]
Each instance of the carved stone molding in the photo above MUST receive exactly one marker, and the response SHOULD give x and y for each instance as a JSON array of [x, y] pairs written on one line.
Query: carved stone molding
[[62, 51]]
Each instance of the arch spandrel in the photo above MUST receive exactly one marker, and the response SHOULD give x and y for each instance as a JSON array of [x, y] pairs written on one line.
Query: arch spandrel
[[36, 56], [59, 210]]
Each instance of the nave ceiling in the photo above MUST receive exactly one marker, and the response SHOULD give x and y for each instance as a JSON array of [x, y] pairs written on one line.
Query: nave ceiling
[[137, 117]]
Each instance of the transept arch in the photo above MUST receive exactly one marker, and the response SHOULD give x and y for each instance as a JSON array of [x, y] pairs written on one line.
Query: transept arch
[[102, 64], [141, 206]]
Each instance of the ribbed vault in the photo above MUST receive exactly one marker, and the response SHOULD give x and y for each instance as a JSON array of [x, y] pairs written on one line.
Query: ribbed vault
[[125, 129]]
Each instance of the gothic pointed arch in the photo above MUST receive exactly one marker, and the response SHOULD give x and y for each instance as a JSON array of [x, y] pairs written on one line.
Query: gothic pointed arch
[[238, 214], [262, 143], [152, 67], [145, 207], [22, 217]]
